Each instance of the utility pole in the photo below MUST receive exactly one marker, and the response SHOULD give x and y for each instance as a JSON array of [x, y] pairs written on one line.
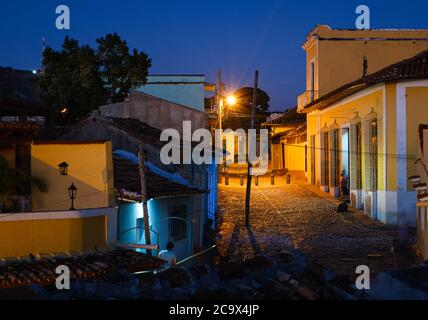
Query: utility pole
[[142, 168], [253, 115], [219, 100]]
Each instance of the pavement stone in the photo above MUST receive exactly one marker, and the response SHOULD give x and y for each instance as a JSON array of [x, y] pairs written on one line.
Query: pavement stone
[[291, 216]]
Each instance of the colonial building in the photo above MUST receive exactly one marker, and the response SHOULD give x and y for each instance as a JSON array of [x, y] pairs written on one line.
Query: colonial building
[[364, 101], [368, 130], [54, 196], [335, 57], [180, 194], [288, 143]]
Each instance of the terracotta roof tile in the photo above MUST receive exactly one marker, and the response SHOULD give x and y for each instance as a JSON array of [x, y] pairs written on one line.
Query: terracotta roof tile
[[290, 117], [127, 177], [41, 270]]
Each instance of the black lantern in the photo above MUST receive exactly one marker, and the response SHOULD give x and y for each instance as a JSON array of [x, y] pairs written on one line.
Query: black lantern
[[63, 168], [72, 191]]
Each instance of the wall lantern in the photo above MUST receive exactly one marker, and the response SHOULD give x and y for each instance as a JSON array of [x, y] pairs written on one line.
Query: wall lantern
[[72, 191], [63, 167]]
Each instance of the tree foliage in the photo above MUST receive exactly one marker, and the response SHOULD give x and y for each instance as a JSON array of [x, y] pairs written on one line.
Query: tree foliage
[[239, 115], [13, 182], [120, 70], [78, 79]]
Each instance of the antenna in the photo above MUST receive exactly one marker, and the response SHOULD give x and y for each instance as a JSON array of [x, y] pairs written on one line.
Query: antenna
[[42, 67]]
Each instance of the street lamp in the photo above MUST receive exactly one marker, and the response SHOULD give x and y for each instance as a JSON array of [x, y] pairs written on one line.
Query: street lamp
[[72, 191], [231, 100], [63, 168]]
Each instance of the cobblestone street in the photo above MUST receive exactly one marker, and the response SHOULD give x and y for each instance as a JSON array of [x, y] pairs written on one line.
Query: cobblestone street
[[291, 216]]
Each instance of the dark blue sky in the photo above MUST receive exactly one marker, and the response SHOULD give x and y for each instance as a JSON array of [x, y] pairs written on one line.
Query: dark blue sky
[[198, 36]]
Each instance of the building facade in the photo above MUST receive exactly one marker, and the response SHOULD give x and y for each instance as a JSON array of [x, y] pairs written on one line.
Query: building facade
[[186, 90], [367, 130], [335, 57], [288, 148]]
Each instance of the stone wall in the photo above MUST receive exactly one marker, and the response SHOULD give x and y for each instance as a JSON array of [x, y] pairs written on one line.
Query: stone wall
[[156, 112]]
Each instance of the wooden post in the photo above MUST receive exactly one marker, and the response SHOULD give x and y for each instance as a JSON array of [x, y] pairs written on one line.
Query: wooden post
[[142, 168], [253, 114]]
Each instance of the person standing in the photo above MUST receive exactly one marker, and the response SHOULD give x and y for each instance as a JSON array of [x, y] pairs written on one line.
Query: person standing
[[208, 238], [343, 185], [168, 255]]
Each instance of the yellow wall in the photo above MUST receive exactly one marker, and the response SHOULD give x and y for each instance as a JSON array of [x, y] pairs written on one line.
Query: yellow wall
[[295, 157], [90, 169], [416, 114], [20, 238], [391, 134], [312, 56], [312, 129], [341, 61], [341, 115]]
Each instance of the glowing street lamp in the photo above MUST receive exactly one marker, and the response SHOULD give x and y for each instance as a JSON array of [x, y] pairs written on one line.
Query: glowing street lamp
[[231, 100]]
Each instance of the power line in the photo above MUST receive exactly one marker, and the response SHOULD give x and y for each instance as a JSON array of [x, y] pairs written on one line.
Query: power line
[[398, 156]]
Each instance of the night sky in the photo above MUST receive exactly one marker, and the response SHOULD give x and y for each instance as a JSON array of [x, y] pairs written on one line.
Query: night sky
[[191, 36]]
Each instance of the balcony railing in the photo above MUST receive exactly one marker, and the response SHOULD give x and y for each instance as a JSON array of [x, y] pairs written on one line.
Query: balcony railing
[[305, 98]]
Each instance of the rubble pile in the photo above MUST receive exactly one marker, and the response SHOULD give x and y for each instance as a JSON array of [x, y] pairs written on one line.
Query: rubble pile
[[40, 270]]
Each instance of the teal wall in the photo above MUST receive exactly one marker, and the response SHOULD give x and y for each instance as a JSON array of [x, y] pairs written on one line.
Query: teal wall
[[158, 212], [187, 90]]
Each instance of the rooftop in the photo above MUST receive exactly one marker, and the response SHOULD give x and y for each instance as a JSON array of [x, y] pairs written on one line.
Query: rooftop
[[18, 88], [289, 118], [127, 180], [16, 272], [69, 142]]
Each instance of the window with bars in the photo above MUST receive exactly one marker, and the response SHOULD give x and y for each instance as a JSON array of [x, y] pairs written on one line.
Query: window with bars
[[313, 159], [371, 143], [324, 159], [355, 163], [334, 158]]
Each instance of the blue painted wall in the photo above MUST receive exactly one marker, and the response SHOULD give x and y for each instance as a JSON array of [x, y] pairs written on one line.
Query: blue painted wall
[[187, 90], [131, 227]]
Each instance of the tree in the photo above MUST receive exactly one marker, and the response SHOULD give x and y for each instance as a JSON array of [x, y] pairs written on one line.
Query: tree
[[239, 115], [13, 183], [78, 79], [121, 71], [71, 83]]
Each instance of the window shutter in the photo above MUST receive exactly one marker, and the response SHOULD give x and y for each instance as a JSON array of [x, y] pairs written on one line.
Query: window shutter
[[355, 150], [368, 156], [313, 159], [323, 159], [334, 157]]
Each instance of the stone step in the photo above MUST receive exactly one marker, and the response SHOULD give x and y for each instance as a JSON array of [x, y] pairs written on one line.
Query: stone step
[[415, 179]]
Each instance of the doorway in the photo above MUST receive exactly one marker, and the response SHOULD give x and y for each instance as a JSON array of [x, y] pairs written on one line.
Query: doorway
[[345, 152]]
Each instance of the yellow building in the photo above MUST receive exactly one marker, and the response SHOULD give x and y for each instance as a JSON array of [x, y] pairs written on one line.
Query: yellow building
[[90, 169], [53, 226], [336, 57], [288, 149], [368, 129]]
